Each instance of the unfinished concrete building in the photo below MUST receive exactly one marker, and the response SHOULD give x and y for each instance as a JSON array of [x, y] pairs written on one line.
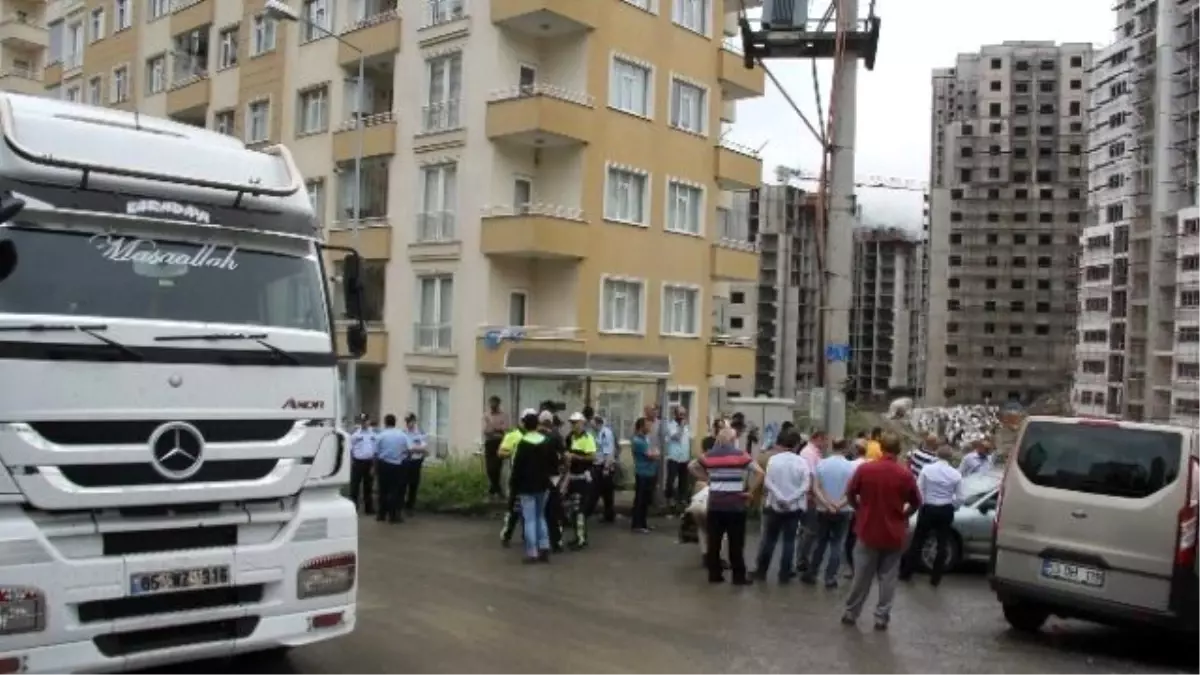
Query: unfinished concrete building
[[1008, 198], [788, 292], [883, 307]]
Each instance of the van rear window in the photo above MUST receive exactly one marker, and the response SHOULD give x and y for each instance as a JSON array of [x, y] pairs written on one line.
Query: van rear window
[[1103, 460]]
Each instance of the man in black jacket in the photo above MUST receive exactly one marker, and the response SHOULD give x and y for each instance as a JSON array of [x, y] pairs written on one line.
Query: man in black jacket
[[534, 463]]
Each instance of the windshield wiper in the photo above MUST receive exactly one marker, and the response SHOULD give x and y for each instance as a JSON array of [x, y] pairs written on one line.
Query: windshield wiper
[[92, 330], [260, 338]]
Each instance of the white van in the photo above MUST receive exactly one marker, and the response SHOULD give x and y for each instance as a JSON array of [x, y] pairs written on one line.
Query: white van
[[1097, 520]]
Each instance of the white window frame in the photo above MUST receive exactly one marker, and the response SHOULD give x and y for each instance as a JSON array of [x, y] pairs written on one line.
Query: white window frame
[[227, 56], [444, 114], [263, 34], [666, 315], [446, 208], [676, 118], [608, 325], [684, 13], [436, 426], [156, 74], [74, 94], [613, 172], [315, 20], [439, 321], [122, 15], [615, 88], [95, 93], [312, 110], [317, 197], [650, 6], [249, 126], [117, 92], [96, 24], [159, 8], [675, 188], [75, 39], [219, 120]]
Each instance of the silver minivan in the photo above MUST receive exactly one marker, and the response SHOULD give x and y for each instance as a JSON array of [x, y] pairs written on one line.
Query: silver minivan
[[1097, 520]]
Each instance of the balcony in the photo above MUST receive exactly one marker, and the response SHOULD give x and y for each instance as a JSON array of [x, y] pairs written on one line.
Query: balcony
[[376, 35], [377, 346], [737, 81], [20, 31], [189, 94], [734, 261], [22, 81], [189, 15], [1187, 315], [378, 137], [730, 358], [493, 344], [545, 18], [540, 116], [738, 167], [373, 240], [535, 231]]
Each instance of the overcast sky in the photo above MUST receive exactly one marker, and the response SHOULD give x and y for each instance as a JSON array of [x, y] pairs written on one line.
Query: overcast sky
[[893, 100]]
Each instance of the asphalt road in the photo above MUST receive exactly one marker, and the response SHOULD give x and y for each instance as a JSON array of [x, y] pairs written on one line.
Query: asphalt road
[[440, 595]]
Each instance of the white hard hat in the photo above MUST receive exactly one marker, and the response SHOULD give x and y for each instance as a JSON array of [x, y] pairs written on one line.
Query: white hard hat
[[528, 412], [546, 416], [576, 417]]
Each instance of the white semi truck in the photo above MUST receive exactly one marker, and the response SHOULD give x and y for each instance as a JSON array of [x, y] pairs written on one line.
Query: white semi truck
[[170, 458]]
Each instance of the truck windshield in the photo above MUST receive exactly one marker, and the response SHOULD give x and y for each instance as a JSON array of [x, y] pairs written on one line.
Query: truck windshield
[[110, 275]]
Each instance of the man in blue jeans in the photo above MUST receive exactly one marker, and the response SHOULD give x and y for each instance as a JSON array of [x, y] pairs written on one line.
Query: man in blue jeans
[[533, 464], [785, 498], [833, 513]]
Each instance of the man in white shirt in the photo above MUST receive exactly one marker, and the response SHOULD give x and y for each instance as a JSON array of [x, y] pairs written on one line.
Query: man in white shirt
[[979, 460], [786, 491], [941, 494], [810, 454]]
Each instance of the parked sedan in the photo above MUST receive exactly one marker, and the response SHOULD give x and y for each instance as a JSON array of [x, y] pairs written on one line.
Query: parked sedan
[[972, 537]]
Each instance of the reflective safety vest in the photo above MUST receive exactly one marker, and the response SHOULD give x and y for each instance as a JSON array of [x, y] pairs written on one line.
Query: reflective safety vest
[[583, 453], [508, 444]]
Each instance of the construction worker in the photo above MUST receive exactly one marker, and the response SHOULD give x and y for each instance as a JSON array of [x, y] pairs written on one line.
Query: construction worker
[[508, 445], [581, 456]]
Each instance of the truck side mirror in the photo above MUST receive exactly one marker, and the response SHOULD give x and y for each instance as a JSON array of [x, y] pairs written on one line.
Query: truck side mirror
[[356, 339], [8, 259], [352, 286]]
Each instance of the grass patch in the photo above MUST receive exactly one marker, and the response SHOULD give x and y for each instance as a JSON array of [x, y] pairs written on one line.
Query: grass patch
[[454, 485]]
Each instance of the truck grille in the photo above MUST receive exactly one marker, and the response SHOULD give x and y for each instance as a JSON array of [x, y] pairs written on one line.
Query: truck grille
[[134, 432], [130, 475], [162, 541], [137, 641], [166, 603]]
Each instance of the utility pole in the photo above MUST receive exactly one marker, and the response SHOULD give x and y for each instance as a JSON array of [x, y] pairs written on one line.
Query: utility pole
[[787, 31]]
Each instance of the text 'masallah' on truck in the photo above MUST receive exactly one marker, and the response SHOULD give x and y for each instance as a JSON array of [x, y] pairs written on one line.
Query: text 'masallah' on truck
[[170, 459]]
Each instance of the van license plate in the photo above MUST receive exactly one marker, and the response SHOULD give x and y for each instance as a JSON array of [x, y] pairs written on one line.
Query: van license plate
[[179, 580], [1072, 573]]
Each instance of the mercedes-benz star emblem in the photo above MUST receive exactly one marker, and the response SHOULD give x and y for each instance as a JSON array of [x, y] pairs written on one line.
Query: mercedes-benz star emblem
[[177, 450], [175, 381]]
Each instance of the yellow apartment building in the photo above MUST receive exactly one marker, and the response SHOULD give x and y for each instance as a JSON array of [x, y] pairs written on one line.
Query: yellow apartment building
[[544, 182]]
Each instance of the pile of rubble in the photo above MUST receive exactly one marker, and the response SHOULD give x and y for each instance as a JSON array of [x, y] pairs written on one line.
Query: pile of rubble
[[960, 425]]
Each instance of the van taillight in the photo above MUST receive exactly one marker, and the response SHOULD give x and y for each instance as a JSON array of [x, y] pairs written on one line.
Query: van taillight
[[1185, 547]]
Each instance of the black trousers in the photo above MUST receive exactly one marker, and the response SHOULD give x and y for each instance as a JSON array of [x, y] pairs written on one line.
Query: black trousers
[[362, 482], [493, 464], [603, 488], [412, 482], [643, 497], [932, 521], [676, 489], [512, 517], [731, 524], [391, 490], [851, 540]]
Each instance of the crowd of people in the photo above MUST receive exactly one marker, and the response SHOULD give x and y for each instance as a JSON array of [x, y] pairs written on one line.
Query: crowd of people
[[388, 461]]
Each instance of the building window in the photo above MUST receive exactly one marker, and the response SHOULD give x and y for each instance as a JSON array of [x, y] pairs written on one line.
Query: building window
[[436, 313], [685, 208], [263, 34], [689, 103], [229, 48], [692, 15], [258, 116], [156, 74], [159, 8], [74, 46], [316, 20], [122, 15], [96, 91], [433, 417], [316, 197], [73, 94], [444, 11], [120, 85], [680, 311], [314, 110], [96, 24], [630, 87], [444, 93], [223, 122], [518, 308], [622, 303], [439, 197], [626, 199]]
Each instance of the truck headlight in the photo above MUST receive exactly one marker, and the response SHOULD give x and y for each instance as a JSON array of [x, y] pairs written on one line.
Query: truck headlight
[[22, 610], [326, 575]]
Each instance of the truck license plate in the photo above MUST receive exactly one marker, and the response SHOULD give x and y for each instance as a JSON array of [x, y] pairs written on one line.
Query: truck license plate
[[193, 578], [1072, 573]]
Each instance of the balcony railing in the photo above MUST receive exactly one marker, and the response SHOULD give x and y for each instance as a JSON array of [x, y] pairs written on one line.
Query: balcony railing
[[18, 71], [533, 209], [518, 91], [369, 120], [740, 149], [435, 226], [374, 14], [432, 337], [441, 116], [438, 12]]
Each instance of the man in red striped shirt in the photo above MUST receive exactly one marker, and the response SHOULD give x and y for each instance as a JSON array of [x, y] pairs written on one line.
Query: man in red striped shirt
[[884, 495]]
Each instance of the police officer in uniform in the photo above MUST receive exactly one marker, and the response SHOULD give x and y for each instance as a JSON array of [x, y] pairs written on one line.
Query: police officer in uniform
[[581, 457]]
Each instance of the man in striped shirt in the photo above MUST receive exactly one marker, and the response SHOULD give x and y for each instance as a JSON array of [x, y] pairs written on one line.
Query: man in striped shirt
[[918, 458]]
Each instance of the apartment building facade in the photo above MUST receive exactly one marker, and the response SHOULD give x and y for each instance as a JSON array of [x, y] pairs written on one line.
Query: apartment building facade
[[1139, 321], [24, 43], [884, 303], [540, 180], [1007, 203]]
